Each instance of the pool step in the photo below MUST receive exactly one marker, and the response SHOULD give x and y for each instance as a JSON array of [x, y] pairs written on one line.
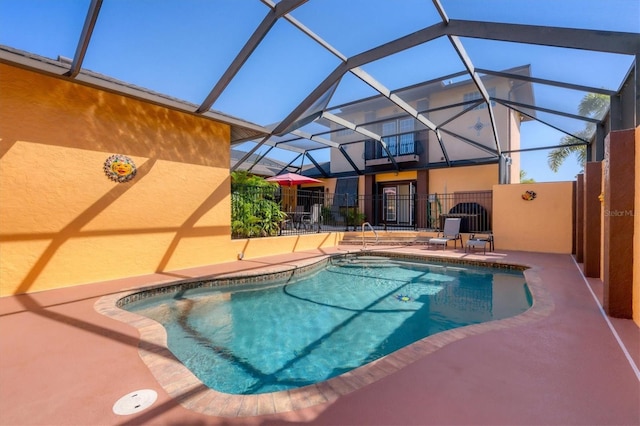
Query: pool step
[[362, 261]]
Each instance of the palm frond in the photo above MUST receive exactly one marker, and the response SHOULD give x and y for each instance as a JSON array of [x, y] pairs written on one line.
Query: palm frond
[[593, 105], [557, 156]]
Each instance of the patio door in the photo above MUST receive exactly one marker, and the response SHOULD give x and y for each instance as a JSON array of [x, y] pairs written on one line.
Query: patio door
[[398, 204], [389, 204], [405, 204]]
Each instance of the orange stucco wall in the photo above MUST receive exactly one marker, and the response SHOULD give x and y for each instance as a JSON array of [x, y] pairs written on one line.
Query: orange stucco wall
[[636, 235], [602, 217], [63, 222], [472, 178], [541, 225], [259, 247]]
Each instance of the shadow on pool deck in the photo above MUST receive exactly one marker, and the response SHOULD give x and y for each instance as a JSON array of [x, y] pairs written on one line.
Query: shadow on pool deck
[[64, 363]]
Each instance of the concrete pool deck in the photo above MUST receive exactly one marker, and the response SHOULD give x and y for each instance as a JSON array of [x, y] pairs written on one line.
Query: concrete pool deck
[[62, 362]]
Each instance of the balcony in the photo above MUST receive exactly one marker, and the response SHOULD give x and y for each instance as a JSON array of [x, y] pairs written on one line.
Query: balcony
[[403, 148]]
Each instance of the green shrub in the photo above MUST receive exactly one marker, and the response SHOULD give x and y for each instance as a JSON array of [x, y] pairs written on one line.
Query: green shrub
[[254, 209]]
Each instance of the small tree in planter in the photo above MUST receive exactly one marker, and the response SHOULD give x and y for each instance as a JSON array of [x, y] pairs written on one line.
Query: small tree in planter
[[355, 218]]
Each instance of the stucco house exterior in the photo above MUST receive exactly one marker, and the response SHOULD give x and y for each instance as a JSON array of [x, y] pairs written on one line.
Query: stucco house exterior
[[391, 161]]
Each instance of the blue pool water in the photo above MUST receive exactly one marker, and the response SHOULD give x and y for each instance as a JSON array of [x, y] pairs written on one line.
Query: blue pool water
[[282, 336]]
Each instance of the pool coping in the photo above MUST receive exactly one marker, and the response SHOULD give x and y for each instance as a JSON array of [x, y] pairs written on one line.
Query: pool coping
[[192, 394]]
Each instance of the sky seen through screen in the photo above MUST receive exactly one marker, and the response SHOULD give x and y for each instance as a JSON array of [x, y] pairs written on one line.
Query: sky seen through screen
[[182, 47]]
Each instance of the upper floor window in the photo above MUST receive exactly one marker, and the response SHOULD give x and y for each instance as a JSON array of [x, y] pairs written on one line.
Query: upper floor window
[[392, 128], [399, 136], [344, 132], [474, 96]]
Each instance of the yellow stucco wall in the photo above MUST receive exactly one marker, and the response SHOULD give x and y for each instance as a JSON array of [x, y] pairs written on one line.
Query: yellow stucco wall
[[330, 185], [541, 225], [63, 222], [399, 176], [472, 178], [636, 235]]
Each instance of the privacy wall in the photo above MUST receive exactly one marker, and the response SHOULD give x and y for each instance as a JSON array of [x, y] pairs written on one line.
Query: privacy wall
[[463, 179], [534, 217], [636, 233], [64, 222]]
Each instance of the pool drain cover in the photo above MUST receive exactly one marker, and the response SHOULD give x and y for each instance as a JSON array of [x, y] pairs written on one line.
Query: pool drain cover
[[135, 402]]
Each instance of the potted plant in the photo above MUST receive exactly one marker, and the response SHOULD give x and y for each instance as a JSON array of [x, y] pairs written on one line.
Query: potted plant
[[355, 218]]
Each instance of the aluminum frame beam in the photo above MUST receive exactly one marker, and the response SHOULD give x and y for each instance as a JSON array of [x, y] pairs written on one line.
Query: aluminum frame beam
[[509, 103], [290, 164], [463, 112], [529, 79], [349, 160], [85, 38], [544, 122], [249, 153], [283, 145], [542, 148], [316, 138], [280, 9], [601, 41], [571, 38], [361, 74], [441, 11], [375, 84], [315, 163], [369, 134], [604, 41], [259, 158], [473, 143], [466, 60]]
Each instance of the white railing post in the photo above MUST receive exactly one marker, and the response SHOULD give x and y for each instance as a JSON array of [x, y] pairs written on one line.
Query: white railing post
[[364, 244]]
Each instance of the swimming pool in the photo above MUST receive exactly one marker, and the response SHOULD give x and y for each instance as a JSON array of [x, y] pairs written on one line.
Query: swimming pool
[[305, 329]]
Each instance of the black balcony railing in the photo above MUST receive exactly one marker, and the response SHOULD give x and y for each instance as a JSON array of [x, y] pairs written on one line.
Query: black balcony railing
[[399, 145]]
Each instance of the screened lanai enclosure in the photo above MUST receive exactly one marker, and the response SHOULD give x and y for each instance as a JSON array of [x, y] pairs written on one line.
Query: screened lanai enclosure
[[338, 89]]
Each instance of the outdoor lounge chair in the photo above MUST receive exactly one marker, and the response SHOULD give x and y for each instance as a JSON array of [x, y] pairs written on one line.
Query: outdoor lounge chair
[[480, 240], [450, 232]]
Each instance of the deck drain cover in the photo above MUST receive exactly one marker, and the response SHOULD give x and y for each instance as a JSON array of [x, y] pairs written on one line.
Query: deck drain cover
[[135, 402]]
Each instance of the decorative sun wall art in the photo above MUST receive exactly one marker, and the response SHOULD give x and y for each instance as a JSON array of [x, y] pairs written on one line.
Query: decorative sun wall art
[[120, 168], [529, 195], [403, 298]]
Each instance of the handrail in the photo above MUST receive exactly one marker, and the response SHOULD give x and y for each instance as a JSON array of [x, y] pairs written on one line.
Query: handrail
[[364, 244]]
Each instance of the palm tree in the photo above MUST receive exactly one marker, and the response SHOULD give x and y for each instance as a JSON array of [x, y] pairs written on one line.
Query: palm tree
[[593, 105], [524, 178]]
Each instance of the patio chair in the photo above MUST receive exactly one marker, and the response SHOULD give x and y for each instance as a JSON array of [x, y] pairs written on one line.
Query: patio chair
[[316, 216], [451, 232], [480, 240], [301, 218]]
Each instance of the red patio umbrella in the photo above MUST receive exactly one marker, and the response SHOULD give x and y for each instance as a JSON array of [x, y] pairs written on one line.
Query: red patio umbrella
[[291, 179]]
